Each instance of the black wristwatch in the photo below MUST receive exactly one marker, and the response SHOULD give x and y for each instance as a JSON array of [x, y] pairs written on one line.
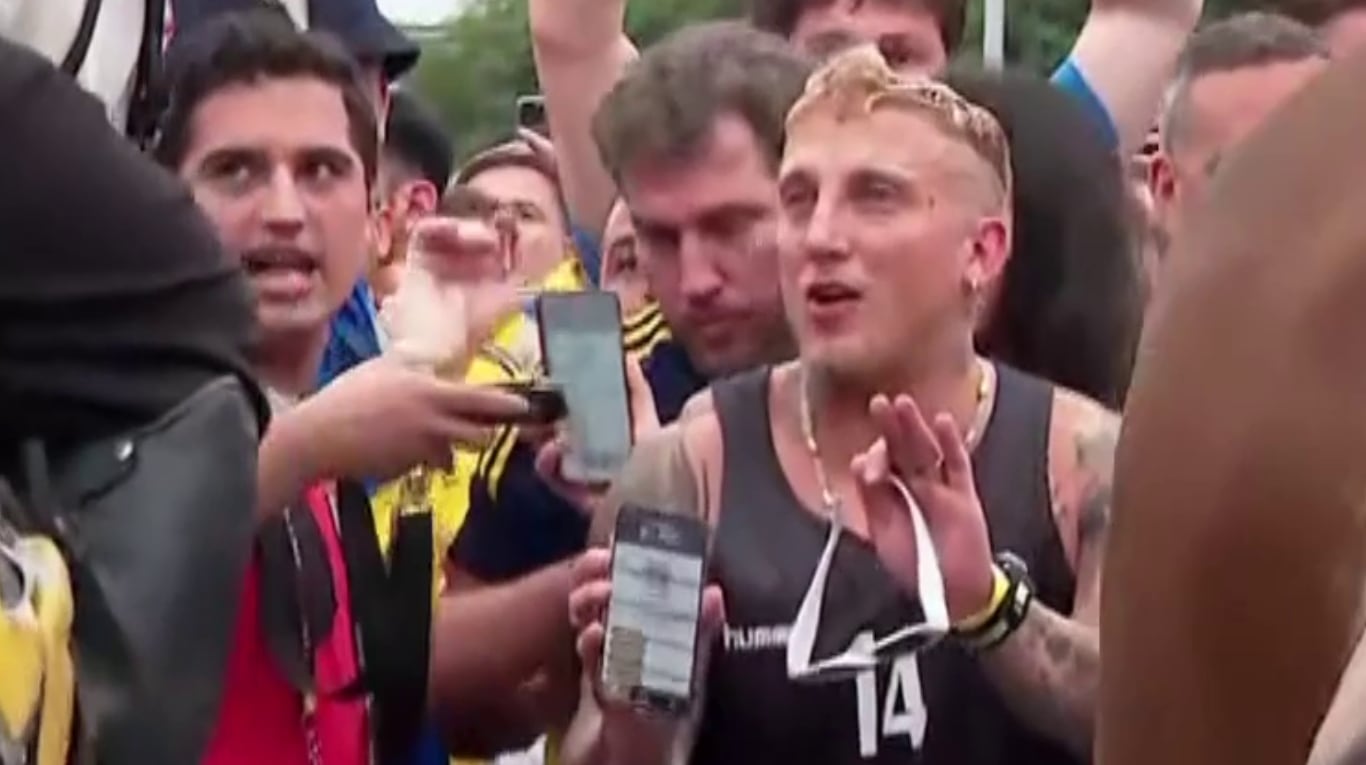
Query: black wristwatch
[[1012, 611]]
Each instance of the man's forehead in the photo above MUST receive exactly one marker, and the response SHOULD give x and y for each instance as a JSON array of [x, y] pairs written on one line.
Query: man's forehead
[[892, 138], [294, 113], [726, 171], [1227, 105], [512, 180]]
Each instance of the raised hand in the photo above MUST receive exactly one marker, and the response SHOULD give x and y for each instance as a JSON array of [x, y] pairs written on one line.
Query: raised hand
[[932, 461]]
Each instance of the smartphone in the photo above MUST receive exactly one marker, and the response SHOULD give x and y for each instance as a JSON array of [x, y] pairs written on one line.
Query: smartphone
[[650, 654], [545, 403], [582, 349], [531, 113]]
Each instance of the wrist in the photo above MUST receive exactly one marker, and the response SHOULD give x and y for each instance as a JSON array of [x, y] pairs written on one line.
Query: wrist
[[1002, 621], [293, 436], [997, 591]]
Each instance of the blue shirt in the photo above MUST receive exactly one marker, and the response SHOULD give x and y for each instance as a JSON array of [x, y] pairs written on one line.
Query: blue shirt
[[1069, 78], [354, 337]]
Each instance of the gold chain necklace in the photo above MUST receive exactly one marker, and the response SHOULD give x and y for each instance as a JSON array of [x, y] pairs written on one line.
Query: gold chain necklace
[[830, 504]]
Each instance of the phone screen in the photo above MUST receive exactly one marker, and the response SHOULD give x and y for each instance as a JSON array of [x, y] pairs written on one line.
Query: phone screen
[[581, 343], [657, 576]]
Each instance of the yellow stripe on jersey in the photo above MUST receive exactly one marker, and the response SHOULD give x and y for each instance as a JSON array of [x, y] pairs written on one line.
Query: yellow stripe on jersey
[[567, 276], [645, 330], [500, 462], [481, 468], [448, 491], [642, 319]]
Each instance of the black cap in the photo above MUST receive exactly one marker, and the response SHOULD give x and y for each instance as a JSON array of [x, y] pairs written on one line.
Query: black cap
[[415, 133], [367, 33], [357, 23]]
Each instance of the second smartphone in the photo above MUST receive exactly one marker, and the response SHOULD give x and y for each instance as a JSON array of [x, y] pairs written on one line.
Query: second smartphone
[[582, 348]]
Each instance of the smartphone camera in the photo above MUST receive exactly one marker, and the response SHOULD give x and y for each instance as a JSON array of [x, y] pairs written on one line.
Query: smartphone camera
[[531, 114]]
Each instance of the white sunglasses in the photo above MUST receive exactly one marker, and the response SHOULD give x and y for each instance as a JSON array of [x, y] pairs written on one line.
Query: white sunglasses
[[865, 653]]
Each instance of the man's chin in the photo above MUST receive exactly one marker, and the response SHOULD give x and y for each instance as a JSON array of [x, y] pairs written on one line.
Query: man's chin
[[718, 361], [291, 322]]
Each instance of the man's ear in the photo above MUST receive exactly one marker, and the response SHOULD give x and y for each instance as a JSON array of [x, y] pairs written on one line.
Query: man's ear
[[1162, 179], [423, 198], [990, 252], [381, 232]]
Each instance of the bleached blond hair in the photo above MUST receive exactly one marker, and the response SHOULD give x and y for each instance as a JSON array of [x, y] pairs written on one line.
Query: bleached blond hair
[[858, 81]]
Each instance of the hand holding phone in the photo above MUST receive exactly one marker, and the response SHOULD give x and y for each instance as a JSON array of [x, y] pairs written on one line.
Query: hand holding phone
[[634, 724], [654, 614]]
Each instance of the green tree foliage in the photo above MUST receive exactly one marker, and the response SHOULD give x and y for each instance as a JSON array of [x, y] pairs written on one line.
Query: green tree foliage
[[475, 66]]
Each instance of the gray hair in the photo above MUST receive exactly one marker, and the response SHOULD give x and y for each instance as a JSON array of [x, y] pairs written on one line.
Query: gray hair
[[1238, 42]]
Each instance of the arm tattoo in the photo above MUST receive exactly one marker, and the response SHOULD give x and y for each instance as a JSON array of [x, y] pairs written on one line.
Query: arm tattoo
[[1095, 445], [1048, 672]]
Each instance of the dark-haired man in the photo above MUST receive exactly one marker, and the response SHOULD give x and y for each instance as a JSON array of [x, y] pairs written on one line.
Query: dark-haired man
[[273, 132], [414, 168], [695, 149]]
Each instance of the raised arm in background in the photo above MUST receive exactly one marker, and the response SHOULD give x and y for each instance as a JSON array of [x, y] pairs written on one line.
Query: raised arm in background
[[580, 50], [1125, 52]]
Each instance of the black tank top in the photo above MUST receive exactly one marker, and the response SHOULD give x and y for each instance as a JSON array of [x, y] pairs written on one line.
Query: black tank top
[[938, 708]]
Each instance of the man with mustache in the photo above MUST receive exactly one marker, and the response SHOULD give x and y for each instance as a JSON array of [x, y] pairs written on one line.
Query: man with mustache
[[275, 136]]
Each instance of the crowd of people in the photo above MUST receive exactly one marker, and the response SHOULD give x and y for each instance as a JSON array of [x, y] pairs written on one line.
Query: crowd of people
[[254, 389]]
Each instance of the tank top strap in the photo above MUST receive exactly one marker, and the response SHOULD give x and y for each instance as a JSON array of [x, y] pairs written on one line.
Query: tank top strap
[[1011, 466], [751, 474]]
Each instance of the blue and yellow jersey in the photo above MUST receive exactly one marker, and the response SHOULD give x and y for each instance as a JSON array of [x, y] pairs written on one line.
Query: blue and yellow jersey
[[509, 356], [644, 330], [448, 490]]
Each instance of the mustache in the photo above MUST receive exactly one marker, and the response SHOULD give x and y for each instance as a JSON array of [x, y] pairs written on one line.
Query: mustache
[[279, 255]]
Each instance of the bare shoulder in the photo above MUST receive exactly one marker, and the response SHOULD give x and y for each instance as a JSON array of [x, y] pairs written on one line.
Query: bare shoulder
[[700, 404], [1081, 461], [1081, 420], [670, 470]]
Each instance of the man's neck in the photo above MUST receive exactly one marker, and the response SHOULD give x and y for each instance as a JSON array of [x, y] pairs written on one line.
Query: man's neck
[[842, 425], [290, 366]]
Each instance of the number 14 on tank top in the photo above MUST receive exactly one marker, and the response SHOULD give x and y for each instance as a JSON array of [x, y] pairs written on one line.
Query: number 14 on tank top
[[898, 711]]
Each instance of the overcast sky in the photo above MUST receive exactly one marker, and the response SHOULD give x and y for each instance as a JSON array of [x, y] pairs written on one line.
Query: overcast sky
[[418, 11]]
